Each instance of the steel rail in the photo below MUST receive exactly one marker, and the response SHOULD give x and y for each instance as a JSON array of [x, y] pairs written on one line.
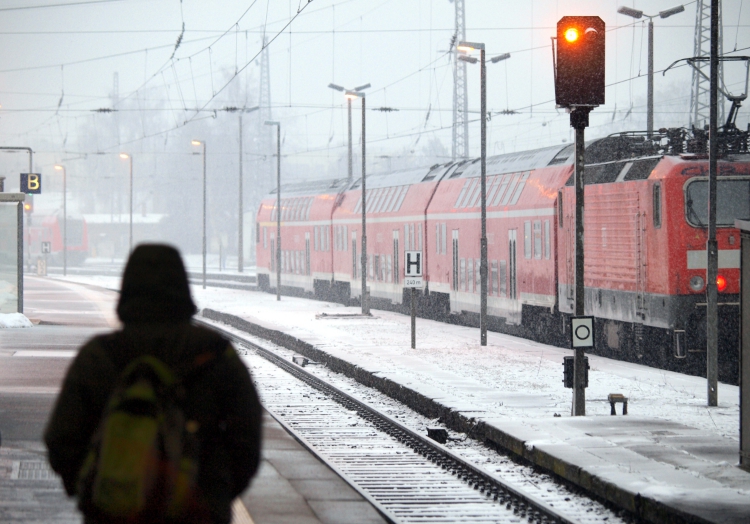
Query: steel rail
[[522, 504]]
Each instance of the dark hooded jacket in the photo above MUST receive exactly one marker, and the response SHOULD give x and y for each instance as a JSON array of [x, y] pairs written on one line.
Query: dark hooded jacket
[[155, 307]]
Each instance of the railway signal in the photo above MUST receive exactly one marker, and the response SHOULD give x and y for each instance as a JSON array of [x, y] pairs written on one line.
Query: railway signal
[[579, 75], [579, 87], [28, 204]]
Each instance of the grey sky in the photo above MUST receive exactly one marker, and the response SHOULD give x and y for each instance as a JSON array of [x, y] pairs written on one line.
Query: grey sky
[[398, 46]]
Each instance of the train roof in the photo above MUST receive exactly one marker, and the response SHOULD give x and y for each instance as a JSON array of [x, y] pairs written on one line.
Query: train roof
[[314, 187]]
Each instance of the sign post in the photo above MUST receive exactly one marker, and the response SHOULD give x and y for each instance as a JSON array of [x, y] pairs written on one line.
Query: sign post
[[413, 279]]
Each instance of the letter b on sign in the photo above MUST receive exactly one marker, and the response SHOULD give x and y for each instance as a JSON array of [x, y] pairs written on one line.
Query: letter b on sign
[[31, 183]]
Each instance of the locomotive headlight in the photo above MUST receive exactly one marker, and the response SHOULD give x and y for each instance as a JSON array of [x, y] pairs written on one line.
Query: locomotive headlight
[[696, 283]]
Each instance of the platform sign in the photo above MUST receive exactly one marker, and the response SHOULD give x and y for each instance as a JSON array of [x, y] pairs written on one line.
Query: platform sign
[[582, 332], [413, 269], [31, 183], [46, 247]]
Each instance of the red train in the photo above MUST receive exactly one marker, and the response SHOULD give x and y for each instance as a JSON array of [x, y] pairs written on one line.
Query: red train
[[645, 242], [50, 229]]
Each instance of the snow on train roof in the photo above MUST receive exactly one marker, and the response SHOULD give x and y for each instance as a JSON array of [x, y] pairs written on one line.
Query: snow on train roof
[[315, 187], [404, 177], [516, 162]]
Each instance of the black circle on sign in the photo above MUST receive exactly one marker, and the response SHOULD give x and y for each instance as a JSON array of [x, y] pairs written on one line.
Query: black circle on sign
[[582, 332]]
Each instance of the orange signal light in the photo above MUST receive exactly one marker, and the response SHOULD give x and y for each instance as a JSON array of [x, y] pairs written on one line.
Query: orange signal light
[[721, 283], [27, 207], [571, 34]]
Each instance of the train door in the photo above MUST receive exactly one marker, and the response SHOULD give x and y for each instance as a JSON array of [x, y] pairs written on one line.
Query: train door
[[396, 275], [354, 254], [455, 260], [307, 253], [570, 259], [640, 263], [512, 291]]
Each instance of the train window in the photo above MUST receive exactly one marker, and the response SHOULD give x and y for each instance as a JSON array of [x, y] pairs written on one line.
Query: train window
[[327, 235], [317, 238], [560, 215], [437, 239], [412, 240], [494, 184], [462, 193], [455, 259], [477, 195], [354, 254], [389, 267], [477, 276], [527, 239], [462, 274], [657, 205], [265, 238], [520, 187], [469, 275], [346, 235], [503, 277], [563, 155], [512, 187], [546, 240], [369, 266], [401, 197], [494, 289], [273, 255], [406, 237], [396, 257], [505, 180], [257, 233], [538, 239], [419, 237]]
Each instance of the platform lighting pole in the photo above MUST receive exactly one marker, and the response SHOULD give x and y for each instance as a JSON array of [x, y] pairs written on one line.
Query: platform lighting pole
[[349, 113], [712, 265], [635, 13], [278, 205], [203, 143], [130, 158], [65, 218], [28, 218], [468, 47]]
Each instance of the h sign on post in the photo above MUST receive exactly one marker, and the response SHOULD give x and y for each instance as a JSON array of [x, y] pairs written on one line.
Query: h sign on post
[[413, 269]]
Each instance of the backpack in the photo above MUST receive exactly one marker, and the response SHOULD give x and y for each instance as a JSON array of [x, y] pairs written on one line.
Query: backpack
[[142, 464]]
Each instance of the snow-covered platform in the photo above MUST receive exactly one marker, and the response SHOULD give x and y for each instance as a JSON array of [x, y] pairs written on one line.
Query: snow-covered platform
[[671, 459]]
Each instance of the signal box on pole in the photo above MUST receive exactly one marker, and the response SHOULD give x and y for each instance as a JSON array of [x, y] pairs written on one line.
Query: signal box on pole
[[579, 75]]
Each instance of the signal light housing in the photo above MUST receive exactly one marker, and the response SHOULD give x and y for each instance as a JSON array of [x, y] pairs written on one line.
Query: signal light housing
[[28, 204], [579, 75]]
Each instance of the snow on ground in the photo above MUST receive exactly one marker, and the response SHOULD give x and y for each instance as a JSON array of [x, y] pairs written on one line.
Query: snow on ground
[[510, 377], [14, 320]]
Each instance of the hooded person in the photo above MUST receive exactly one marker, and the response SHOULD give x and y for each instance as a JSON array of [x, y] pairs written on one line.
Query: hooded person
[[155, 308]]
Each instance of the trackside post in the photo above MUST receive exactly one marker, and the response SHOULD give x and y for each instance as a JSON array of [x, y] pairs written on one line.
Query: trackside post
[[579, 87], [413, 280]]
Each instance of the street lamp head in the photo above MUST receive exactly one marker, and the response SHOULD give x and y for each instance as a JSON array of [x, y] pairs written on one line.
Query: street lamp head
[[336, 87], [627, 11], [272, 123], [470, 59], [362, 87], [351, 95], [196, 142], [468, 47], [673, 11], [59, 167], [498, 58], [124, 156]]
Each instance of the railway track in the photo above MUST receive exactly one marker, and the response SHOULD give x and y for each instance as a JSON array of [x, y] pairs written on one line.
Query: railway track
[[408, 476]]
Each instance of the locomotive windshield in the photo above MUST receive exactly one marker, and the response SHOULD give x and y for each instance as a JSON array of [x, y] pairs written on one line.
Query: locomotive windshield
[[732, 201]]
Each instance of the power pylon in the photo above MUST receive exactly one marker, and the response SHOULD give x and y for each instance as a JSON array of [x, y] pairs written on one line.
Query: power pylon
[[699, 96], [460, 143]]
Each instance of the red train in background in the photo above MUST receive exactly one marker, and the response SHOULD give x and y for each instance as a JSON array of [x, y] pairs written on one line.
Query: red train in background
[[49, 228], [645, 243]]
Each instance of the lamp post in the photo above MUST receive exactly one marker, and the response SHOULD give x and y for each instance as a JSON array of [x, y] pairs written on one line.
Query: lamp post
[[130, 158], [349, 109], [468, 47], [278, 205], [637, 14], [199, 143], [365, 300], [65, 218]]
